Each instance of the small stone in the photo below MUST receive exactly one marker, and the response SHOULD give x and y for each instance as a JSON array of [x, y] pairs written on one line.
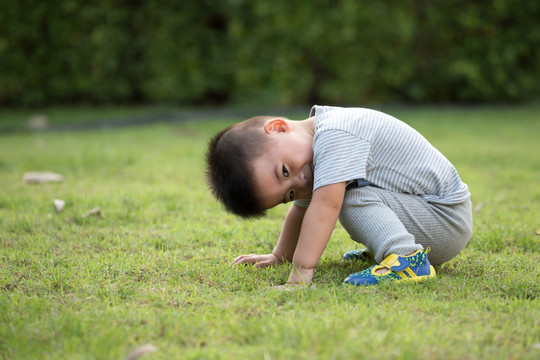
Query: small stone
[[59, 205], [38, 177], [37, 122], [478, 207], [141, 351], [94, 211]]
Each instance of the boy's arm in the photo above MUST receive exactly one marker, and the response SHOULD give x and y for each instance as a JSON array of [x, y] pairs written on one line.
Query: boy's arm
[[317, 227], [286, 244]]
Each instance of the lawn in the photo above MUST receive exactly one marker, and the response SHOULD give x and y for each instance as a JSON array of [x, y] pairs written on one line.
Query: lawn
[[153, 266]]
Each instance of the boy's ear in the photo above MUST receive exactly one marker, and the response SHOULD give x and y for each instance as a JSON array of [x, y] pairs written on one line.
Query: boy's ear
[[276, 125]]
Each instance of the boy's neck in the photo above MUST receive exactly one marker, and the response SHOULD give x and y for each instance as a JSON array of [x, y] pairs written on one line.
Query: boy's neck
[[306, 126]]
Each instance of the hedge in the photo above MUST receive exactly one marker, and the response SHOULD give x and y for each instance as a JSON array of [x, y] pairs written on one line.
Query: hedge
[[275, 52]]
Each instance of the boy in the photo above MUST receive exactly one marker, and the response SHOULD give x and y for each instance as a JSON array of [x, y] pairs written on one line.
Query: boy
[[391, 189]]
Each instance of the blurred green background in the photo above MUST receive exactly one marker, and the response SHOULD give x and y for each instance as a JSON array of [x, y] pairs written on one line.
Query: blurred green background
[[277, 53]]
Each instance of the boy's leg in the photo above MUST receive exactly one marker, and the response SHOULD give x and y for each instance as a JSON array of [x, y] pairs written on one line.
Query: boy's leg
[[392, 223]]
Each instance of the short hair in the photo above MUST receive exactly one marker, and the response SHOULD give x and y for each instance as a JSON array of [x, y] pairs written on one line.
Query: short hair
[[229, 166]]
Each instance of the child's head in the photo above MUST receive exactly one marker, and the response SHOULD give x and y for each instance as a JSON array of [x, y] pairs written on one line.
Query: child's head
[[229, 166], [260, 163]]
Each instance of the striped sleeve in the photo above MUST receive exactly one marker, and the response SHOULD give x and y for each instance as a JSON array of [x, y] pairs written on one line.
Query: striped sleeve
[[339, 156]]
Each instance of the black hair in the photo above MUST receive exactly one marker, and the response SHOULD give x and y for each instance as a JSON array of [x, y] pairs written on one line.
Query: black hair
[[229, 166]]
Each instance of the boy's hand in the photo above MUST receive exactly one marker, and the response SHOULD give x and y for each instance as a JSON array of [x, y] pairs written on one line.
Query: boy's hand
[[300, 276], [259, 261]]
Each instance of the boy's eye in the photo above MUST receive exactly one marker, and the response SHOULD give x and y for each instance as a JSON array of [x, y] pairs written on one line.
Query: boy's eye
[[291, 195], [285, 172]]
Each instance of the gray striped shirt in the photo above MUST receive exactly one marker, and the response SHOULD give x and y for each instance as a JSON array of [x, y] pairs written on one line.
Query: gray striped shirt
[[356, 143]]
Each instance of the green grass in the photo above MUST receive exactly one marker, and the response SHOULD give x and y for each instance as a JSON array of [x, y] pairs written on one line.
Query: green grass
[[154, 267], [17, 119]]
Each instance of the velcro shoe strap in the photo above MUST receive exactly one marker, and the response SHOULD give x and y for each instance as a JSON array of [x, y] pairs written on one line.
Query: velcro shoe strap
[[395, 262]]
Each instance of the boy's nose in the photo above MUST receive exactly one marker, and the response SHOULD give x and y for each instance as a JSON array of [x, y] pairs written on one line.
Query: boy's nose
[[301, 178], [304, 176], [302, 181]]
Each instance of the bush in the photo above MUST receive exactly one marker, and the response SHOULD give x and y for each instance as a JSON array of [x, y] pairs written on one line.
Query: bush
[[278, 52]]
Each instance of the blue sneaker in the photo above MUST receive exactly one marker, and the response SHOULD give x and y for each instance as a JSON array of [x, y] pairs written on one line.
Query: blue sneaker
[[360, 254], [415, 267]]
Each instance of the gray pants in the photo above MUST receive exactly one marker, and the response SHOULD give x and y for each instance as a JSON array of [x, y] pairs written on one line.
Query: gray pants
[[391, 223]]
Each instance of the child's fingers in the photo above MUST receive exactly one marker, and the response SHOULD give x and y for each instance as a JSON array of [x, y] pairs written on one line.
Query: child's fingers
[[264, 263], [238, 258], [243, 259]]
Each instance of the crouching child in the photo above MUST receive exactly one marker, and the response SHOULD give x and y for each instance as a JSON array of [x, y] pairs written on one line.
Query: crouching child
[[389, 187]]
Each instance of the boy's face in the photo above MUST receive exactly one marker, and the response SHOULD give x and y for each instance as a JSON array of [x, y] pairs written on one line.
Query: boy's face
[[284, 172]]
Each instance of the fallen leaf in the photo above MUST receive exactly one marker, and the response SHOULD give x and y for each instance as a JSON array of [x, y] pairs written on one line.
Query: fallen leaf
[[538, 232], [37, 177], [59, 205], [94, 211], [141, 351]]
